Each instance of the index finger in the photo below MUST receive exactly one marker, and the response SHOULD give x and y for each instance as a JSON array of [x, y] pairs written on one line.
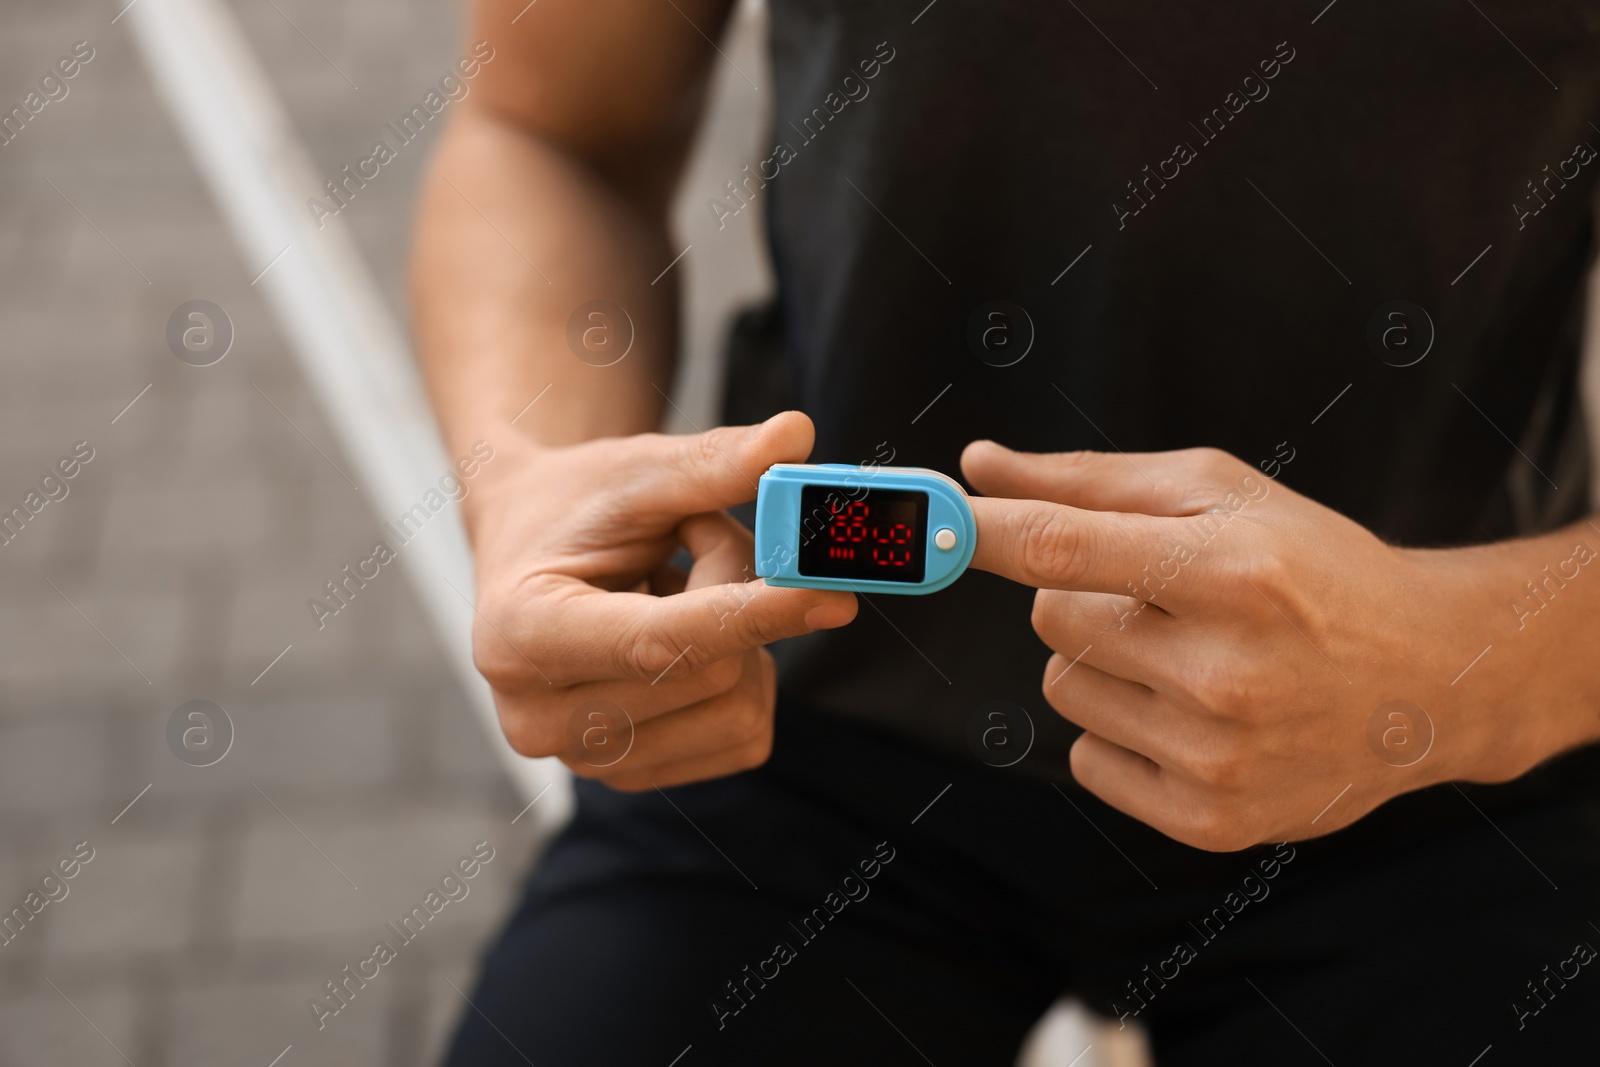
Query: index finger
[[1053, 546]]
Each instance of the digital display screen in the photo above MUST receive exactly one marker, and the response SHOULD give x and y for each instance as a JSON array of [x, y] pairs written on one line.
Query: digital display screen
[[881, 535]]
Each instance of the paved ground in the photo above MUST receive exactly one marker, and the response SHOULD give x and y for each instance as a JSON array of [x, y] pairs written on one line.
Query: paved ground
[[178, 565]]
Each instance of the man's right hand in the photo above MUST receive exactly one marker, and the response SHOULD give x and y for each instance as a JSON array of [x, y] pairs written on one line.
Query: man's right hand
[[581, 613], [550, 190]]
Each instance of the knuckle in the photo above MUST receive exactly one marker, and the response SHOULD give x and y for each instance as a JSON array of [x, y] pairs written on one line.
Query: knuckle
[[1053, 544], [712, 446], [1076, 459], [708, 456], [1220, 686], [529, 732], [1041, 614], [496, 658], [757, 627], [1067, 619], [1277, 594], [1213, 828], [753, 721], [1058, 690], [1268, 570], [721, 675], [646, 651], [755, 753], [494, 603], [1213, 462], [1219, 768], [1168, 485], [510, 633], [489, 658]]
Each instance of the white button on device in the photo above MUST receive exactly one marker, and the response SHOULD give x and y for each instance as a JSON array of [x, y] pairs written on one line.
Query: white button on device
[[945, 538]]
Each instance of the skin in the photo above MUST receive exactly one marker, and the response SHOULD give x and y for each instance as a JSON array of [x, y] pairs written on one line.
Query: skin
[[550, 190], [1230, 700]]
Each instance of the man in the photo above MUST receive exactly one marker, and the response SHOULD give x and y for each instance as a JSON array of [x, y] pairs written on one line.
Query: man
[[1301, 772]]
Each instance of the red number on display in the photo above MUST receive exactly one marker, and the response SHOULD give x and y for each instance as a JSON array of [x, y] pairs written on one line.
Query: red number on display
[[848, 525], [851, 524]]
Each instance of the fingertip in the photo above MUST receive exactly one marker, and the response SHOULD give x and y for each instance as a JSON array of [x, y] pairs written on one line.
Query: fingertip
[[787, 437], [981, 448], [834, 612], [788, 415], [980, 456]]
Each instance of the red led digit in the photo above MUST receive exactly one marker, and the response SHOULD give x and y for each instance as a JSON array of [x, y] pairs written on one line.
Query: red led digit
[[836, 522], [895, 534], [857, 530]]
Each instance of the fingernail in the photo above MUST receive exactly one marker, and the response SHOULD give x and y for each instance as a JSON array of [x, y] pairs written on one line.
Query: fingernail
[[828, 616]]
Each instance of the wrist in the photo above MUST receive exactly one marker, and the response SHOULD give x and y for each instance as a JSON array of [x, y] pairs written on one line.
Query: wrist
[[1508, 620], [501, 482]]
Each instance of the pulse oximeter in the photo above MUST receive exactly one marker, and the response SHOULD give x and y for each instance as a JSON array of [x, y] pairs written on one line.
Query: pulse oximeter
[[863, 529]]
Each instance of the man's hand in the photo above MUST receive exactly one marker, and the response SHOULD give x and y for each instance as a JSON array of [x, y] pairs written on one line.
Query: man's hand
[[1251, 666], [580, 613], [550, 191]]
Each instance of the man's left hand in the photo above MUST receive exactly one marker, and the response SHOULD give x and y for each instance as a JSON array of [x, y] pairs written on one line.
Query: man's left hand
[[1251, 666]]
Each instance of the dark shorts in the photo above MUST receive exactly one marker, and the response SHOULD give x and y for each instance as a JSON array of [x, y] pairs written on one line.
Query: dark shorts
[[857, 901]]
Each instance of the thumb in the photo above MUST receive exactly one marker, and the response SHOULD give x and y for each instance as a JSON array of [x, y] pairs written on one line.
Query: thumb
[[689, 474]]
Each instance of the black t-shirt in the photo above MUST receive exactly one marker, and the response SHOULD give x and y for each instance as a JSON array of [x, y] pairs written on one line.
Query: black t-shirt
[[1347, 247]]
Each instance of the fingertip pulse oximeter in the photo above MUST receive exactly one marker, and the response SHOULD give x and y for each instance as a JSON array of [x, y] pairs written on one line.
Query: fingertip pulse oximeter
[[863, 529]]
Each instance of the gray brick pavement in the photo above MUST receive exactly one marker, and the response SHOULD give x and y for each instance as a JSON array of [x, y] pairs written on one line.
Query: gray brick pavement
[[191, 541]]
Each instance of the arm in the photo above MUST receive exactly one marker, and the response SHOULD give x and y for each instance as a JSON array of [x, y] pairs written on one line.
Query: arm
[[1260, 668], [550, 191]]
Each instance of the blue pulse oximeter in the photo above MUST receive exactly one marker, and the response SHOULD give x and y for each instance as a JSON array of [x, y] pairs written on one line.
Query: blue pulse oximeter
[[863, 529]]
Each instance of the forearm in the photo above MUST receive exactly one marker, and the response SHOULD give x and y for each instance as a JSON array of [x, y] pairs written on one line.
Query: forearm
[[514, 235], [1534, 605]]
